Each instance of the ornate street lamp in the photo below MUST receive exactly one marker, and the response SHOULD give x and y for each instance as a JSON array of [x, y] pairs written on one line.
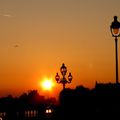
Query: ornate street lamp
[[115, 31], [63, 80]]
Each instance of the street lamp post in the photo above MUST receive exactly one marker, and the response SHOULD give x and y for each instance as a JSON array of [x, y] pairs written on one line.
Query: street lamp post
[[115, 31], [63, 80]]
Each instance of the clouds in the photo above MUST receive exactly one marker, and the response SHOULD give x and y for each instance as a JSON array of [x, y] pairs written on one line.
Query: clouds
[[6, 15]]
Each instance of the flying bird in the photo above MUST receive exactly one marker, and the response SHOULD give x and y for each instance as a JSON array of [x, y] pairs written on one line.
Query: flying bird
[[16, 46]]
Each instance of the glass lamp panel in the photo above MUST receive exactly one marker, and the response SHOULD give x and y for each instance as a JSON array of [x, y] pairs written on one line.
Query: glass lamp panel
[[63, 70], [116, 32], [57, 77], [70, 77]]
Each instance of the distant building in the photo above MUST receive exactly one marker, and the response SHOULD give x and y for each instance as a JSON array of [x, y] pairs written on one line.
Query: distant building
[[108, 88]]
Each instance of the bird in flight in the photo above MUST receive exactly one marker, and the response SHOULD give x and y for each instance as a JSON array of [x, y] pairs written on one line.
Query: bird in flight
[[16, 46]]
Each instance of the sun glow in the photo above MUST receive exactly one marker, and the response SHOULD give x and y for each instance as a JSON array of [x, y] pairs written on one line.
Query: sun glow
[[47, 84]]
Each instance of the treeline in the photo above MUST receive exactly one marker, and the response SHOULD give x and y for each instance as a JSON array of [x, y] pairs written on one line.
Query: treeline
[[29, 100], [28, 105]]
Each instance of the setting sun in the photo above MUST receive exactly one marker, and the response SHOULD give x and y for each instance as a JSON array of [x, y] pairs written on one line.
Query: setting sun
[[47, 84]]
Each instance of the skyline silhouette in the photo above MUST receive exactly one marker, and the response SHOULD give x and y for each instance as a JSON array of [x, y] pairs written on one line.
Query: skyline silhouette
[[102, 102]]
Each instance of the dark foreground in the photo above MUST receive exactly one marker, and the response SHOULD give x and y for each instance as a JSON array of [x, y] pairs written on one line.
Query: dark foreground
[[100, 103]]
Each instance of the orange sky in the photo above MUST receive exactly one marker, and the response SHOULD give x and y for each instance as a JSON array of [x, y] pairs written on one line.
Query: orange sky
[[50, 32]]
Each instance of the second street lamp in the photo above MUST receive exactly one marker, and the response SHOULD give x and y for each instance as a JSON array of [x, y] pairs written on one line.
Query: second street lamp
[[63, 80], [115, 31]]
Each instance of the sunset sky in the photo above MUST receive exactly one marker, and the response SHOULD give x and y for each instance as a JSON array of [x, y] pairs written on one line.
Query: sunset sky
[[37, 36]]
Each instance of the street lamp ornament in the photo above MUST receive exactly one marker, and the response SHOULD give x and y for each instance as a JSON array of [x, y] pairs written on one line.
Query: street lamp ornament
[[63, 69], [63, 80], [115, 31], [115, 27]]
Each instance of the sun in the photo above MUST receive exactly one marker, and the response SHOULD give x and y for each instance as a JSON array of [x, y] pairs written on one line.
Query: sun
[[47, 84]]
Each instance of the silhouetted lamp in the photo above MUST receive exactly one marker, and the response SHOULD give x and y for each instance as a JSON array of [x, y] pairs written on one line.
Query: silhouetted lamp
[[63, 69], [115, 31], [63, 80]]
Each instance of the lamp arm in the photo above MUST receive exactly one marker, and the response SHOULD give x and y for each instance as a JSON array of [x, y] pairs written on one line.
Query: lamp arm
[[68, 81], [59, 81]]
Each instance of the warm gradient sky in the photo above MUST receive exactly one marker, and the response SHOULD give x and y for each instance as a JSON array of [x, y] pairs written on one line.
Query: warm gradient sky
[[50, 32]]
